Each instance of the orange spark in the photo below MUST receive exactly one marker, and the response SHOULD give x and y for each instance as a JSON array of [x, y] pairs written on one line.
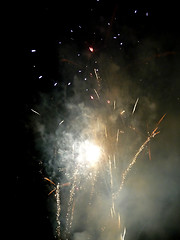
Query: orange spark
[[47, 179]]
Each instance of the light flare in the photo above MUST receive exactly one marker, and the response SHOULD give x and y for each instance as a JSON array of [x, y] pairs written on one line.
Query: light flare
[[89, 153]]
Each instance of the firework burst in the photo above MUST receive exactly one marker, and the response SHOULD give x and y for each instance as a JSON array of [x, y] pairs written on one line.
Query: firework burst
[[91, 158]]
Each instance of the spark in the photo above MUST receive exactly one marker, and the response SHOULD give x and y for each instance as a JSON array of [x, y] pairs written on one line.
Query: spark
[[35, 112], [114, 105], [135, 105], [49, 180], [122, 112], [122, 236], [61, 122], [91, 49], [51, 191], [95, 71], [96, 93], [117, 135]]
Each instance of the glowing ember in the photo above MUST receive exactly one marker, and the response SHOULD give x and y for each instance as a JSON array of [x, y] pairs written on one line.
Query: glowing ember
[[91, 49]]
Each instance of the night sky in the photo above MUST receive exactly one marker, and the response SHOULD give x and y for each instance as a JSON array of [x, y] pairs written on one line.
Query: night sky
[[136, 51]]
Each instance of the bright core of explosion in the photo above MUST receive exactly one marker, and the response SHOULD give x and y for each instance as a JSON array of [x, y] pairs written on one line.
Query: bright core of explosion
[[89, 153]]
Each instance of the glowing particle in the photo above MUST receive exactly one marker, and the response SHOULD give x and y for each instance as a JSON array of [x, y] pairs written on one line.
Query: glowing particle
[[135, 11], [33, 50], [147, 14], [40, 76], [91, 97], [69, 83], [85, 79], [108, 101], [91, 49], [55, 84]]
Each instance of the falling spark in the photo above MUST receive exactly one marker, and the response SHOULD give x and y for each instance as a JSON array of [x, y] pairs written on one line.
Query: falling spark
[[135, 105], [117, 136], [119, 221], [51, 192], [61, 122], [35, 112], [114, 105], [95, 71], [122, 236], [47, 179], [96, 93]]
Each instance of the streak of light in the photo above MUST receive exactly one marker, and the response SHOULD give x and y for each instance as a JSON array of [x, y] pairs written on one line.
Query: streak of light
[[61, 122], [114, 105], [35, 112], [58, 206], [135, 105], [122, 236], [95, 71], [117, 136], [114, 158], [47, 179], [51, 191], [96, 93], [119, 221], [123, 111]]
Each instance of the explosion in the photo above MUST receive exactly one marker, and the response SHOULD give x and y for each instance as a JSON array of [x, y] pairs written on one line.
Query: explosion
[[89, 154]]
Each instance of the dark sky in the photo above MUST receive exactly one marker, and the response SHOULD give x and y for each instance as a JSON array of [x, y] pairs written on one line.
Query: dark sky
[[143, 44]]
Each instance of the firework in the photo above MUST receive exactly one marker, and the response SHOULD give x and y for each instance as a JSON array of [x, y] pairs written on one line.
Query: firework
[[90, 156], [95, 157]]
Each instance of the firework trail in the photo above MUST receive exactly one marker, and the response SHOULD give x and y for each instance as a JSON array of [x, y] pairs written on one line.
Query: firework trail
[[58, 211]]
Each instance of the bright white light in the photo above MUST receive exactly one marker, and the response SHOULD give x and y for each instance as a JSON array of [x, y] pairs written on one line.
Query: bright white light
[[89, 153]]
